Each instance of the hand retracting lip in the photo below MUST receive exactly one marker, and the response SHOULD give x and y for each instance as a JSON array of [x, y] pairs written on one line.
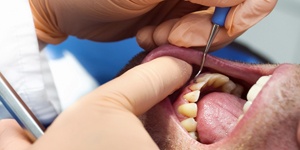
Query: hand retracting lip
[[19, 110]]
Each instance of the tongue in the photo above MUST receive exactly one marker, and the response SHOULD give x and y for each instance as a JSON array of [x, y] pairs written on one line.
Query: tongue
[[217, 116]]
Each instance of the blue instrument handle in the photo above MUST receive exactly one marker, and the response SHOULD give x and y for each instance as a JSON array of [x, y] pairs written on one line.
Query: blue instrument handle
[[220, 15]]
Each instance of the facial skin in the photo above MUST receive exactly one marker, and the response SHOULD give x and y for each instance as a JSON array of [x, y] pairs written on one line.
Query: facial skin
[[271, 122]]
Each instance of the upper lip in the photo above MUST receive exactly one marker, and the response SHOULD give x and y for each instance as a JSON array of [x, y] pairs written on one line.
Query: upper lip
[[230, 68]]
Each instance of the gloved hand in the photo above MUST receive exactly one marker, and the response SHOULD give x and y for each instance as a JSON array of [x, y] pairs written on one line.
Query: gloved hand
[[108, 114], [154, 22]]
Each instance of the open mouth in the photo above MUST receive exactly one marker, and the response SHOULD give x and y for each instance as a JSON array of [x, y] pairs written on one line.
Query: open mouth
[[209, 108], [217, 107], [231, 106]]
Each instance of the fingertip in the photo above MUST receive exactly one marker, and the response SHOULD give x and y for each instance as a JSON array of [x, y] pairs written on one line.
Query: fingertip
[[162, 32], [154, 81], [231, 21], [144, 38], [191, 30], [162, 76]]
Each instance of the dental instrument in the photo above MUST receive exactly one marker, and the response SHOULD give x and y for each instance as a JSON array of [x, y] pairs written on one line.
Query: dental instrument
[[19, 110], [218, 19]]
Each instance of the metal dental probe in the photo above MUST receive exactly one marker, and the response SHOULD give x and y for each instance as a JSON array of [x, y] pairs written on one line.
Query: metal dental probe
[[19, 110], [218, 20]]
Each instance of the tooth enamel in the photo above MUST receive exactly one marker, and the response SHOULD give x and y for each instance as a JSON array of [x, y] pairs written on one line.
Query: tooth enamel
[[192, 97], [256, 88], [204, 78], [217, 80], [247, 106], [189, 124], [197, 86], [238, 90], [253, 92], [228, 87], [188, 109], [263, 80], [240, 118], [193, 135]]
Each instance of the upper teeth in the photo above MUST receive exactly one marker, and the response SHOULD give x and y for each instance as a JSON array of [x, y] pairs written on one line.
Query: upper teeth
[[216, 80], [228, 87], [238, 90], [254, 90]]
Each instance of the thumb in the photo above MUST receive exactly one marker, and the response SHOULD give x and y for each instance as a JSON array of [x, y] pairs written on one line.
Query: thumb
[[12, 136], [104, 116], [145, 85]]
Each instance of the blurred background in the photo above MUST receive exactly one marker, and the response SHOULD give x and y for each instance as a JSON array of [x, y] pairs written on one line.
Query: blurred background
[[278, 35], [81, 64]]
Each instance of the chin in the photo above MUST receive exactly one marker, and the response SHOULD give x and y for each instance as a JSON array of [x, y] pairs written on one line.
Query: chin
[[231, 105]]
